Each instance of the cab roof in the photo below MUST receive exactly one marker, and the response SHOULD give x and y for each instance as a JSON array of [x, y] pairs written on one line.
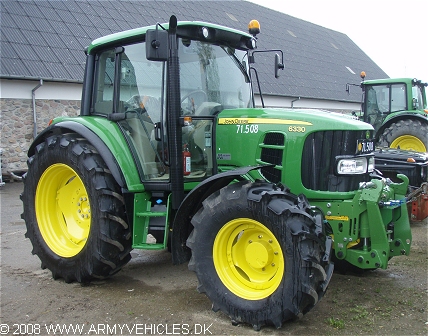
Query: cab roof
[[186, 29]]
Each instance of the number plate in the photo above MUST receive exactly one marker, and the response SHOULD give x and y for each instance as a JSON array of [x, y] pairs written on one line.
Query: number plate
[[365, 146]]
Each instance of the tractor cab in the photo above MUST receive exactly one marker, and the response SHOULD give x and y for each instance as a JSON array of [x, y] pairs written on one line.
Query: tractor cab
[[212, 77], [383, 99]]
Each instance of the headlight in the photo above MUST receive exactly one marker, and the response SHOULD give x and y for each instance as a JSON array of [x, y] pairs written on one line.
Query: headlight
[[355, 165]]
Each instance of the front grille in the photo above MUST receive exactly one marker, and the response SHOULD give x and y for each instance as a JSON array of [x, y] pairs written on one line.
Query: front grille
[[319, 159], [272, 152]]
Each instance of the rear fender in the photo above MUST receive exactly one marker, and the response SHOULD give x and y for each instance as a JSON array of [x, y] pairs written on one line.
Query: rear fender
[[393, 118], [105, 152]]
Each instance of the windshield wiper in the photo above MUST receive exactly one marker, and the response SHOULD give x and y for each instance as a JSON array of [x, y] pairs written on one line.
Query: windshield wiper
[[238, 63]]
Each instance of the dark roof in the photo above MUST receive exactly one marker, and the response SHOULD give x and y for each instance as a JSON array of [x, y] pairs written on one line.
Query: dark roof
[[46, 39]]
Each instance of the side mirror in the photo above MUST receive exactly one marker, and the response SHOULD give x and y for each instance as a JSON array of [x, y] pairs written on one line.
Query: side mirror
[[278, 65], [156, 45]]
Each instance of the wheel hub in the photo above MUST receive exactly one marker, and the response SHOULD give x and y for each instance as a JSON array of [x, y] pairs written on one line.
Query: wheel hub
[[248, 258], [409, 142], [258, 255], [63, 210]]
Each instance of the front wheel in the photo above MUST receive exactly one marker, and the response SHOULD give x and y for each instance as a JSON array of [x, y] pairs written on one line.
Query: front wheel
[[406, 134], [74, 211], [258, 254]]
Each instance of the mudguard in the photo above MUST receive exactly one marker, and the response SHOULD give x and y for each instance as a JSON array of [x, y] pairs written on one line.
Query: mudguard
[[93, 138], [396, 117]]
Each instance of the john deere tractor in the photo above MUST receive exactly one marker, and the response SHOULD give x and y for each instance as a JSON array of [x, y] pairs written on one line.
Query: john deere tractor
[[397, 109], [169, 152]]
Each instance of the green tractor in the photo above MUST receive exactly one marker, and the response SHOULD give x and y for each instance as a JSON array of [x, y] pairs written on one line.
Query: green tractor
[[397, 109], [169, 152]]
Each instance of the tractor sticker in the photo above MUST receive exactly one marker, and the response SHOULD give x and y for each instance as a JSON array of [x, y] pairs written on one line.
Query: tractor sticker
[[337, 218], [244, 121], [299, 129], [247, 128], [224, 156]]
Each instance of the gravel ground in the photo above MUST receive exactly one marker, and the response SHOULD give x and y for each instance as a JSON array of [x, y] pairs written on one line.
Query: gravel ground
[[151, 296]]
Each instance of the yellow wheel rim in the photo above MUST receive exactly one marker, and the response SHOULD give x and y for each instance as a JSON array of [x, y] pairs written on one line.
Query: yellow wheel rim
[[62, 210], [248, 259], [409, 142]]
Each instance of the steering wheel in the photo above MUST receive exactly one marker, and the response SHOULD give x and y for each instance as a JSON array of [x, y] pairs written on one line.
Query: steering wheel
[[147, 106], [194, 100], [133, 104]]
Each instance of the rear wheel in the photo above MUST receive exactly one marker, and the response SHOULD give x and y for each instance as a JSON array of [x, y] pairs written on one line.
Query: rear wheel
[[406, 134], [258, 254], [74, 211]]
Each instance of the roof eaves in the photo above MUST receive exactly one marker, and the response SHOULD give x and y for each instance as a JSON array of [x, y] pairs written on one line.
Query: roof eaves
[[37, 78]]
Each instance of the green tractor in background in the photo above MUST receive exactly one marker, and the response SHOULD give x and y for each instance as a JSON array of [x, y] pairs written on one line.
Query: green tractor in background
[[169, 152], [397, 109]]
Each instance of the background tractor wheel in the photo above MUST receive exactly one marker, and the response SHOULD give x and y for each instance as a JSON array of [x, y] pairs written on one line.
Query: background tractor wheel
[[257, 259], [74, 211], [406, 134]]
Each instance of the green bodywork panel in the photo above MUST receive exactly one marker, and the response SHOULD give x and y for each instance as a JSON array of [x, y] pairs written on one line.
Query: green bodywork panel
[[394, 115], [110, 133]]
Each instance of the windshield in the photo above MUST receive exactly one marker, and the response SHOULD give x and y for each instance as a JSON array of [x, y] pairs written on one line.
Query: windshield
[[385, 98], [212, 78]]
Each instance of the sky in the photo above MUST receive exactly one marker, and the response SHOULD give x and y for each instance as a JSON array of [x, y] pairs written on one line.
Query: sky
[[393, 33]]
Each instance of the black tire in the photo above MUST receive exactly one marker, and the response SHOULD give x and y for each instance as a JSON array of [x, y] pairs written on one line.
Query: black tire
[[408, 134], [97, 237], [282, 218]]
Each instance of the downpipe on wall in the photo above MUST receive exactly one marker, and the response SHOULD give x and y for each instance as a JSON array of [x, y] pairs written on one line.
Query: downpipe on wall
[[33, 96]]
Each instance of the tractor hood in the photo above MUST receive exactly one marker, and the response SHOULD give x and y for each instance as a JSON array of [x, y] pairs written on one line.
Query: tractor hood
[[304, 145]]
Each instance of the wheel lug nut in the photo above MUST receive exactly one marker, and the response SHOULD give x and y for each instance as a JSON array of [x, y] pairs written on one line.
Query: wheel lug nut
[[276, 253], [250, 241], [260, 236], [83, 216], [78, 203], [270, 241], [79, 211], [273, 264]]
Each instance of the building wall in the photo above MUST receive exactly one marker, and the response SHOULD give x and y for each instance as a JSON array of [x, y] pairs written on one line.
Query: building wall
[[22, 89], [307, 103], [52, 99], [17, 127]]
